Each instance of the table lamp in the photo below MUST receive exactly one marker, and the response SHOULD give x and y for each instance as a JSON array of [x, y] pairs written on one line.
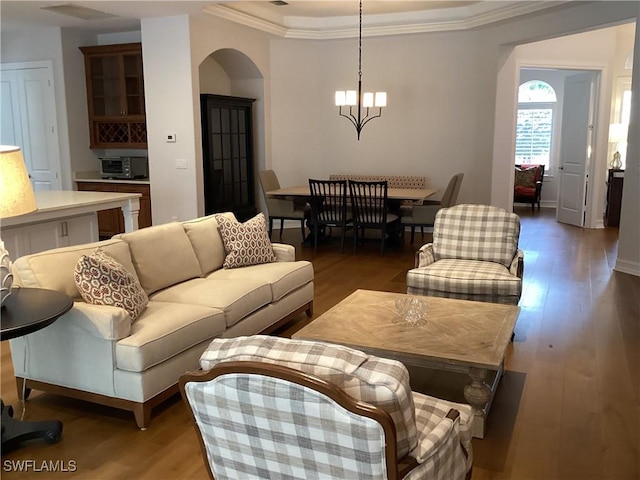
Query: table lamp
[[617, 134], [16, 198]]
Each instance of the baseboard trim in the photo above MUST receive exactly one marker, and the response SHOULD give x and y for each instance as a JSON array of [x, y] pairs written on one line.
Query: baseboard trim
[[626, 266]]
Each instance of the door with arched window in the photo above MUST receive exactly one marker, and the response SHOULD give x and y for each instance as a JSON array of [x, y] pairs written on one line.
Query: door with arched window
[[535, 123]]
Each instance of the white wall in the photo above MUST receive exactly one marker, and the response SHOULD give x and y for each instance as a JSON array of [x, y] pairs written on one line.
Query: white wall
[[629, 244], [440, 95], [169, 107], [42, 43]]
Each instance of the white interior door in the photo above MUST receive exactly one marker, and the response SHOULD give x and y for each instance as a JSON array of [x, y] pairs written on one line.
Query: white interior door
[[576, 147], [29, 121]]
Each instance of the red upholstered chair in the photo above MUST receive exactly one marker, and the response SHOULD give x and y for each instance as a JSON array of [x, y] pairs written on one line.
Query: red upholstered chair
[[527, 184]]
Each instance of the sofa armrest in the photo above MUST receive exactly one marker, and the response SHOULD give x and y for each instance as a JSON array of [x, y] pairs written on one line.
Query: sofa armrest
[[102, 321], [425, 256], [517, 264], [284, 252]]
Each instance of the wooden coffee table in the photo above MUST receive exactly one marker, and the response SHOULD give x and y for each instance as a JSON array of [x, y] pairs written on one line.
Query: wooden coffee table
[[460, 336]]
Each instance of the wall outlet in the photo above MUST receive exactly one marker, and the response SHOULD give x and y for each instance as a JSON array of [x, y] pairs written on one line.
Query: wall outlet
[[171, 138], [174, 219], [181, 163]]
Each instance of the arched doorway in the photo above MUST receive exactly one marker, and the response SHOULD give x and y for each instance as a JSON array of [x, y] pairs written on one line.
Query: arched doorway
[[230, 79]]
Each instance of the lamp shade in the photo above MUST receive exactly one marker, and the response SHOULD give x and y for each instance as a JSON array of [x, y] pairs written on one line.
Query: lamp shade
[[618, 132], [16, 193]]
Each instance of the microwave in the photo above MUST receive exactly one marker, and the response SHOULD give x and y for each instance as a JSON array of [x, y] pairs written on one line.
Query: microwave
[[124, 167]]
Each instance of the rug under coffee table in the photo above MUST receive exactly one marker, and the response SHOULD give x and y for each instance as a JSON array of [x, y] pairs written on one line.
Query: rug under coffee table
[[460, 336]]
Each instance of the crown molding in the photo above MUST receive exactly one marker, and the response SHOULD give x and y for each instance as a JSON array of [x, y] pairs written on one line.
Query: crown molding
[[313, 28]]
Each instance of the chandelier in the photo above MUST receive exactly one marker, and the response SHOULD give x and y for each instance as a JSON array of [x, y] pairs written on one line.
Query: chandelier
[[361, 106]]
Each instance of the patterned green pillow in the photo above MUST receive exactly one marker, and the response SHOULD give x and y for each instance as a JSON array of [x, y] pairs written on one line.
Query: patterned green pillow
[[526, 177]]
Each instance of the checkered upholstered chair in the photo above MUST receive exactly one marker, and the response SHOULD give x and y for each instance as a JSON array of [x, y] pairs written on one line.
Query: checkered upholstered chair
[[474, 256], [268, 407]]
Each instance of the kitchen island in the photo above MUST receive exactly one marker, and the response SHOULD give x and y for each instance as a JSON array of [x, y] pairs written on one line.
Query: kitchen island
[[64, 217]]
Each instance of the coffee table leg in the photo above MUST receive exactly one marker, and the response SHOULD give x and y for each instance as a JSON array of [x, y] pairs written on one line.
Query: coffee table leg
[[478, 394]]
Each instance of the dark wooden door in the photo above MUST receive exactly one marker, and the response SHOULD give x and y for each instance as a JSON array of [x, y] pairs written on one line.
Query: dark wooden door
[[227, 147]]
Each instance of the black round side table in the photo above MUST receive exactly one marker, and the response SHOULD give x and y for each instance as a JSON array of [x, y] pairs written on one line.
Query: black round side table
[[25, 311]]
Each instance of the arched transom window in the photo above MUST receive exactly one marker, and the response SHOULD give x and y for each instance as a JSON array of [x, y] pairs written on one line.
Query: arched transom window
[[534, 127]]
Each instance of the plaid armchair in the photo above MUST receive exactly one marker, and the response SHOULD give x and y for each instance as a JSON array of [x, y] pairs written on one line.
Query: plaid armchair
[[269, 407], [474, 256]]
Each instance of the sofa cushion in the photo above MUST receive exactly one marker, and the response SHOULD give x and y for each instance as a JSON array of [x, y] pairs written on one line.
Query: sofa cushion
[[381, 382], [206, 242], [162, 256], [245, 243], [101, 280], [469, 277], [53, 269], [237, 298], [283, 277], [163, 331]]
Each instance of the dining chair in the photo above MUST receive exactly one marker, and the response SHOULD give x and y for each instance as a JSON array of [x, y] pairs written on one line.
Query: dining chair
[[281, 208], [424, 215], [369, 204], [329, 208]]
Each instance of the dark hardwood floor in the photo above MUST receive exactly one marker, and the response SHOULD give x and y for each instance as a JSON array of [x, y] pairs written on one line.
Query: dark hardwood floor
[[567, 407]]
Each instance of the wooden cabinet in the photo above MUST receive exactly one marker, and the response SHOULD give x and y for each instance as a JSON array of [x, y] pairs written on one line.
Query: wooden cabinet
[[115, 96], [615, 182], [111, 222], [227, 154]]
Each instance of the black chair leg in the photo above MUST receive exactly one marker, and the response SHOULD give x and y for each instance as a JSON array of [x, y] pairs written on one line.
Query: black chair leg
[[270, 227], [281, 227], [302, 227]]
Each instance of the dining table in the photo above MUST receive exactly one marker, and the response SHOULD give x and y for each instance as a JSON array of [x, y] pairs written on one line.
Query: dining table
[[393, 194], [395, 198]]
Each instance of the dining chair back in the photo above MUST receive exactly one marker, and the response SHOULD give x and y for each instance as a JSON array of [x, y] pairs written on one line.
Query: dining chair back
[[424, 215], [369, 204], [329, 207], [280, 208]]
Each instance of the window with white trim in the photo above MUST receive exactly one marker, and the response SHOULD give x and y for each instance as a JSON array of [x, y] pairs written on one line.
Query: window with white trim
[[534, 125]]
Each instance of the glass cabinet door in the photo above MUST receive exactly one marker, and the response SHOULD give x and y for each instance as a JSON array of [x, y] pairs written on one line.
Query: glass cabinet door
[[105, 86]]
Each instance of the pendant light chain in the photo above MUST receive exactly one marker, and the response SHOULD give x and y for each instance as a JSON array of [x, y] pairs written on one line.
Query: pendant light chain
[[360, 45]]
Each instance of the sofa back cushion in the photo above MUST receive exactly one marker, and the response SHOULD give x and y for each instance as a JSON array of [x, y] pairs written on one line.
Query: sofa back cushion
[[162, 256], [377, 381], [54, 269], [206, 241], [476, 232]]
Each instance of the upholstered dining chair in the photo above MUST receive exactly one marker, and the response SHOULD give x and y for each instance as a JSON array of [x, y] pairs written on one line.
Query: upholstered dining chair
[[474, 256], [268, 407], [281, 208], [424, 215], [370, 211], [527, 184], [329, 208]]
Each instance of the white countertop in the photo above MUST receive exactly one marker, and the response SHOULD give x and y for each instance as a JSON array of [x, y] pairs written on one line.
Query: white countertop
[[55, 204], [94, 176]]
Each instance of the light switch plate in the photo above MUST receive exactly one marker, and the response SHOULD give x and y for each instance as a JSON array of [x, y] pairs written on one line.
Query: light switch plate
[[181, 163]]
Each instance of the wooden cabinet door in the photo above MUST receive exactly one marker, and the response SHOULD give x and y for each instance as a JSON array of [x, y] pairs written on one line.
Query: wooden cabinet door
[[115, 96]]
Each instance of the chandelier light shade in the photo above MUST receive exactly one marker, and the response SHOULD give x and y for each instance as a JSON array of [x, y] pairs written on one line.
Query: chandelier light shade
[[358, 107], [16, 198]]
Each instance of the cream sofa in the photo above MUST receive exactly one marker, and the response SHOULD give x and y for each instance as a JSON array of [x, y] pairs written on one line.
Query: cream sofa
[[96, 353]]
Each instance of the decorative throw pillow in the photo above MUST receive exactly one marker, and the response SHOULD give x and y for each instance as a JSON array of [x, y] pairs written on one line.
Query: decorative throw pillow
[[101, 280], [245, 243], [526, 177]]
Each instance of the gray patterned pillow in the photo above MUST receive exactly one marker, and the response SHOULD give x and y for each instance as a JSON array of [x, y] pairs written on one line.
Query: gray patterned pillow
[[245, 243], [101, 280]]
